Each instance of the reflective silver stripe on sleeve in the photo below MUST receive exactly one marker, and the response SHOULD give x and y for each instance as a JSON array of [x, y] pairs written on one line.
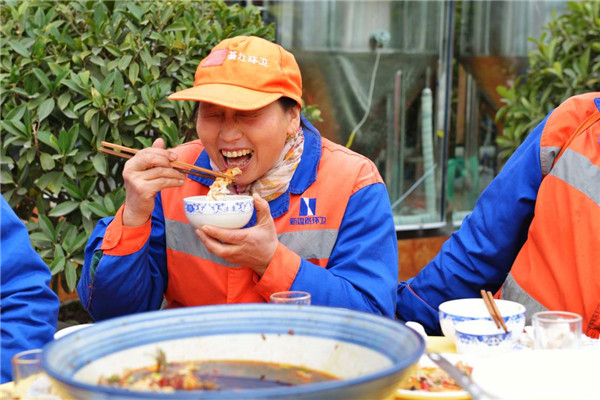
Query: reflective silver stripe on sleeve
[[579, 172], [547, 156], [512, 291], [307, 244]]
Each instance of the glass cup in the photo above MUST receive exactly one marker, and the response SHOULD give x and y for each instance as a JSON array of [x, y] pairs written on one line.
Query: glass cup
[[556, 330], [29, 378], [291, 297]]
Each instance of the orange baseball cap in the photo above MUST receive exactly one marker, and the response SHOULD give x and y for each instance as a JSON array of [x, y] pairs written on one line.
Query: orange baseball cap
[[245, 73]]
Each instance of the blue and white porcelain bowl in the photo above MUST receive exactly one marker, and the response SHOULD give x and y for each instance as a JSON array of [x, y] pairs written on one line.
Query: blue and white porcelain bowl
[[481, 338], [369, 353], [233, 212], [455, 311]]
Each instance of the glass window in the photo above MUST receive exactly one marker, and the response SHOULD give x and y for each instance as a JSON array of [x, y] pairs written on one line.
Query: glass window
[[412, 86], [378, 71]]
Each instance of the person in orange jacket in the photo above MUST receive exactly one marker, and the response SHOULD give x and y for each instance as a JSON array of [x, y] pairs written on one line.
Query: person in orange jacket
[[323, 222], [534, 232]]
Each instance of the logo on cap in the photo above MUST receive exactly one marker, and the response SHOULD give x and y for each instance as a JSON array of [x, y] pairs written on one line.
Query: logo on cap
[[217, 58]]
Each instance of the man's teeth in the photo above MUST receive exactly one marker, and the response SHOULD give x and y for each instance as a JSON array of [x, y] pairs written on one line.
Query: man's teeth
[[238, 153]]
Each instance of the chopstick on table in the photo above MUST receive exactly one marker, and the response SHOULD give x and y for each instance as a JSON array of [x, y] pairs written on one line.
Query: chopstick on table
[[488, 299], [126, 152]]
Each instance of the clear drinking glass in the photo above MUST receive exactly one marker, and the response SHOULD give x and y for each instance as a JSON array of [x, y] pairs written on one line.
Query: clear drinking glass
[[557, 330], [291, 297], [28, 376]]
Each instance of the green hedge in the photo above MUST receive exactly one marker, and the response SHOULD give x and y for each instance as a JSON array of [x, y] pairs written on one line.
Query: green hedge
[[566, 62], [79, 72]]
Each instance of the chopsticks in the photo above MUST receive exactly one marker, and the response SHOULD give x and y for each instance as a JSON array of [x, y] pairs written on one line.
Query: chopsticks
[[488, 299], [127, 153]]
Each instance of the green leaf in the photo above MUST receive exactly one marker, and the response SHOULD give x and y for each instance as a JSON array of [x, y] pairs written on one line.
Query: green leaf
[[19, 48], [98, 61], [59, 79], [134, 71], [16, 113], [81, 104], [97, 98], [69, 113], [5, 178], [146, 57], [80, 241], [147, 96], [124, 61], [64, 100], [39, 237], [99, 14], [87, 118], [48, 180], [557, 66], [136, 11], [63, 208], [584, 61], [11, 126], [45, 109], [66, 140], [55, 184], [46, 161], [119, 85], [41, 76], [57, 265], [47, 227], [86, 212], [110, 205], [98, 210], [176, 27], [71, 276], [70, 170], [107, 83], [84, 77], [99, 161]]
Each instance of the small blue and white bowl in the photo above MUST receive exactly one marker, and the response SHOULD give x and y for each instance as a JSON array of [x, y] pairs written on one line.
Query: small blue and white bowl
[[454, 311], [233, 212], [481, 338]]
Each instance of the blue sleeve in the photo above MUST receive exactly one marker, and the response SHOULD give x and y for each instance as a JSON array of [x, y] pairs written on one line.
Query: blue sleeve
[[362, 272], [480, 254], [29, 307], [112, 286]]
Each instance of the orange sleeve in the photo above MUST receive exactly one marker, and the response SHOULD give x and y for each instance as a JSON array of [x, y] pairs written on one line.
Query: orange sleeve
[[280, 272], [122, 240]]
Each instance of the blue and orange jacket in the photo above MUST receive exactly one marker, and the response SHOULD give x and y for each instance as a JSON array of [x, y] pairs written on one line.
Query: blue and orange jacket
[[534, 231], [336, 240], [29, 308]]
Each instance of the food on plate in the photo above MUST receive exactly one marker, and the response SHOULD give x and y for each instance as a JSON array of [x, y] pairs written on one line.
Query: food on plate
[[166, 376], [433, 379], [219, 189]]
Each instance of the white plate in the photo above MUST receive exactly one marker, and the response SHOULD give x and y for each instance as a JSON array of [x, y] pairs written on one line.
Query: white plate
[[69, 329], [425, 395], [541, 374]]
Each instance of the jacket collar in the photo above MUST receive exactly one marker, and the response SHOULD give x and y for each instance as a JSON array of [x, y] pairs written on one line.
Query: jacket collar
[[304, 176]]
